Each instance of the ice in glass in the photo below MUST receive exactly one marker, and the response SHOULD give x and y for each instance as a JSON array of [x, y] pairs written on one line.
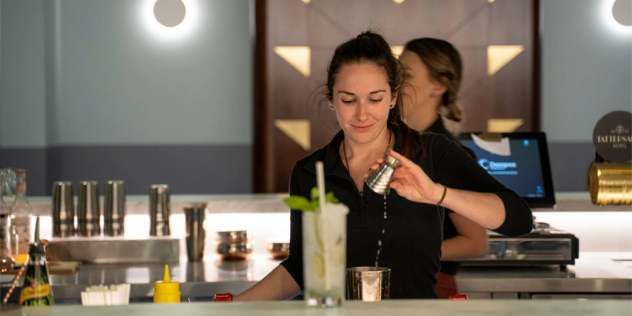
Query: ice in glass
[[324, 255]]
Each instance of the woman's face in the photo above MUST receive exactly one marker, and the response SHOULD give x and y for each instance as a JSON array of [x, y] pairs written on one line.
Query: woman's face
[[421, 93], [361, 99]]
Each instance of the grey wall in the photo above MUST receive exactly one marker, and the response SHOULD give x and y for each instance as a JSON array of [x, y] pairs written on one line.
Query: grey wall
[[89, 75], [98, 74], [22, 80], [121, 84], [586, 69]]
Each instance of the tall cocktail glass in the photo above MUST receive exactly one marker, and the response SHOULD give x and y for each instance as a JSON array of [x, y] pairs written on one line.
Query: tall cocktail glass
[[324, 255]]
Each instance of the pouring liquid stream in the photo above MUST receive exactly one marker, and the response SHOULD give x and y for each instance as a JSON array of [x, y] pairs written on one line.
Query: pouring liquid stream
[[379, 241]]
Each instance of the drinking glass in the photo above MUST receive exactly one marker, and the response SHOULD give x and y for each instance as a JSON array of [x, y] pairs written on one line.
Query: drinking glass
[[324, 255]]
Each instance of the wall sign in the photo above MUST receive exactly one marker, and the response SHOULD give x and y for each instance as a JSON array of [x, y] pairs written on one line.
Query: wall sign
[[612, 137]]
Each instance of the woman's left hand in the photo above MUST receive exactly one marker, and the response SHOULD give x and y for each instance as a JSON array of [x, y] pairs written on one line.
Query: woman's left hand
[[411, 182]]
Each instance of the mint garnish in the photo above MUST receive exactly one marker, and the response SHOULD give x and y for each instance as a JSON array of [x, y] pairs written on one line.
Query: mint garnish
[[301, 203]]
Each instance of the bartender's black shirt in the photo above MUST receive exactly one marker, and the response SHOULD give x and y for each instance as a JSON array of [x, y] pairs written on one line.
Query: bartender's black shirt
[[411, 243], [449, 231]]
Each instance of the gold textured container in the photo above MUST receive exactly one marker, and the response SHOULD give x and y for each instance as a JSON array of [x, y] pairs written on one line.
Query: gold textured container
[[610, 183]]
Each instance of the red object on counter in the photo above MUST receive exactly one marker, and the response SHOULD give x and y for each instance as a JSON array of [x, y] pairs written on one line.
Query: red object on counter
[[223, 297], [459, 297]]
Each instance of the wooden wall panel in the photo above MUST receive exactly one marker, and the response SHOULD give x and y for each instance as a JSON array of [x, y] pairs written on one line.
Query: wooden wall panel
[[283, 93]]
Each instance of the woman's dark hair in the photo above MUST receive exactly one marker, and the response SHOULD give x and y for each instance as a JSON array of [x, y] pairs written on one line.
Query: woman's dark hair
[[371, 47], [442, 61]]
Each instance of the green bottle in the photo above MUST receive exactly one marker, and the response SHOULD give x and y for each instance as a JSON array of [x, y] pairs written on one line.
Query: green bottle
[[36, 290]]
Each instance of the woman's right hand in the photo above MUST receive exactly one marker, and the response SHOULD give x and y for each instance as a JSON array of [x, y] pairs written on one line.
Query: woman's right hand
[[411, 182]]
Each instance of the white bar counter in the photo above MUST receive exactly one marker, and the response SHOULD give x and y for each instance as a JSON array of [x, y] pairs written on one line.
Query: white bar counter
[[350, 308]]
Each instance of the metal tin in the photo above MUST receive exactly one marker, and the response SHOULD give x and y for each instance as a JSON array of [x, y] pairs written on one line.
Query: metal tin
[[237, 251], [114, 209], [279, 250], [159, 210], [89, 209], [610, 183], [368, 283], [233, 236], [63, 209], [196, 235]]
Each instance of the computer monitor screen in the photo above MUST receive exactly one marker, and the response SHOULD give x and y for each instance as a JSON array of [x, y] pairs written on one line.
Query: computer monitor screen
[[520, 161]]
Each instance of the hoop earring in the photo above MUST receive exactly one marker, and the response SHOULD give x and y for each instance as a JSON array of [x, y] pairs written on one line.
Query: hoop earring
[[331, 107]]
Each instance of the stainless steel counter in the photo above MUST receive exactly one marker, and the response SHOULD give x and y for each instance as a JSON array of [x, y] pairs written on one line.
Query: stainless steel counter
[[266, 217], [588, 275], [201, 280]]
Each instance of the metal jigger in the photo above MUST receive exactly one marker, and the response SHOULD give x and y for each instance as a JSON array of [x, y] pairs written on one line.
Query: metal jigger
[[379, 180]]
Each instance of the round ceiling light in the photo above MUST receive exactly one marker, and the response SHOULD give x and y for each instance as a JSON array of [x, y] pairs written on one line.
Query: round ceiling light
[[169, 13]]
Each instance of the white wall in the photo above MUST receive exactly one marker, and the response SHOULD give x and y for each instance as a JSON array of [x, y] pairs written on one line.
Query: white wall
[[586, 67]]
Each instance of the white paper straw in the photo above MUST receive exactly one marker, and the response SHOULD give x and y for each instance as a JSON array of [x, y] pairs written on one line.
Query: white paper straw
[[100, 295], [320, 182]]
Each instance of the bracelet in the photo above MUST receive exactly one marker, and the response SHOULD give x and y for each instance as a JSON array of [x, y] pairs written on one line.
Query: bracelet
[[445, 190]]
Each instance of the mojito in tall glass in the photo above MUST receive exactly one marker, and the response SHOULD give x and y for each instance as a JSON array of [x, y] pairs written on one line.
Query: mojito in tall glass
[[324, 255]]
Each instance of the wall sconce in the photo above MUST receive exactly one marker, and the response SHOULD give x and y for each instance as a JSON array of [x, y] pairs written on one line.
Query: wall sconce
[[172, 20], [170, 13], [618, 14], [622, 12]]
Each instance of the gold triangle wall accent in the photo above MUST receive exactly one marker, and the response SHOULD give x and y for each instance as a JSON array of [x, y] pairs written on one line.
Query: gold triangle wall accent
[[397, 50], [499, 55], [306, 1], [297, 130], [398, 1], [490, 1], [503, 125], [297, 56]]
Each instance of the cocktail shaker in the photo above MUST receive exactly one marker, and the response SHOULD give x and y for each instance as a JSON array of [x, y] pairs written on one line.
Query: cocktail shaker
[[88, 209], [379, 180], [114, 210], [63, 209], [159, 210]]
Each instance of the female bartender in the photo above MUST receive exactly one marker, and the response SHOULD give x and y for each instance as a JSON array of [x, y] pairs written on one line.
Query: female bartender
[[363, 89], [432, 78]]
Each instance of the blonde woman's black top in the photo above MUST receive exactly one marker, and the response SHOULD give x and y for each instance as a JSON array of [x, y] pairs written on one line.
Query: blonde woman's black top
[[449, 231]]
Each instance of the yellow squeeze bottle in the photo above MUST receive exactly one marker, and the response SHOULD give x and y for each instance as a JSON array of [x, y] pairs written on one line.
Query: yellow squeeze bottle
[[166, 291]]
